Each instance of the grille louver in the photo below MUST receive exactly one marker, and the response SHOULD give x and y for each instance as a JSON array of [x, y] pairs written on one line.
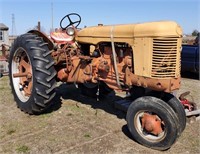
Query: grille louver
[[164, 61]]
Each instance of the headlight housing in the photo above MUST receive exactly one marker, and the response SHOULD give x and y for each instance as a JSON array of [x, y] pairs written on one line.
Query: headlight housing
[[70, 31]]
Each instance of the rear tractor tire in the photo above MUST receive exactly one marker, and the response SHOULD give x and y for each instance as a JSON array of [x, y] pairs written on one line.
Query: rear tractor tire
[[32, 74], [152, 123]]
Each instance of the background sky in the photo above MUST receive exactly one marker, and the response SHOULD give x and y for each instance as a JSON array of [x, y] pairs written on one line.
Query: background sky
[[27, 13]]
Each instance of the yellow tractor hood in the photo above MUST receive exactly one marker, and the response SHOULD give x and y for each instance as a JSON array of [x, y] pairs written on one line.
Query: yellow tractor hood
[[126, 33]]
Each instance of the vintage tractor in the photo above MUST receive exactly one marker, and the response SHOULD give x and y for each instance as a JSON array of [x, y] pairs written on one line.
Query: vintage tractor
[[143, 59]]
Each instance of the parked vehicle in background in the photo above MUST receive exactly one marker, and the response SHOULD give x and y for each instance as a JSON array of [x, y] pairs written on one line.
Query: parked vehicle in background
[[190, 57]]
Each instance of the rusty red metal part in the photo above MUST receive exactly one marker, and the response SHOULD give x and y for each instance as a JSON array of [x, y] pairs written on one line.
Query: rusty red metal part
[[25, 75], [152, 124], [5, 54], [186, 103]]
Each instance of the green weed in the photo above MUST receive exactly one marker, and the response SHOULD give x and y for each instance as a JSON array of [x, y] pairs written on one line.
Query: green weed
[[22, 149], [11, 131], [87, 136]]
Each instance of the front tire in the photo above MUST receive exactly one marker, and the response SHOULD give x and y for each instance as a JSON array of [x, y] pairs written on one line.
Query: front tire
[[152, 123], [175, 104], [32, 74], [178, 108]]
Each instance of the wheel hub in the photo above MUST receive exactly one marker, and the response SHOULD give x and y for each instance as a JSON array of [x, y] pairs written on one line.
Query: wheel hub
[[23, 72], [152, 124]]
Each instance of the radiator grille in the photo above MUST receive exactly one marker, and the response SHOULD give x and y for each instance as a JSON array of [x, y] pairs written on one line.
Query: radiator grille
[[164, 60]]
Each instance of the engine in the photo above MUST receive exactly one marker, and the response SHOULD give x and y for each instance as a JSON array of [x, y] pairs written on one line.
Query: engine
[[92, 63]]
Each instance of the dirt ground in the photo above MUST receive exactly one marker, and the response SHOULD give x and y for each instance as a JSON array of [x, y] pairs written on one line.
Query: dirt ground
[[78, 124]]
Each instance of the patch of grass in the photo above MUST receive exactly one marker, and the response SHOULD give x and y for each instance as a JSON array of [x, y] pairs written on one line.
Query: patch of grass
[[2, 88], [46, 115], [74, 108], [87, 136], [2, 136], [69, 114], [11, 131], [22, 149], [4, 78], [4, 81]]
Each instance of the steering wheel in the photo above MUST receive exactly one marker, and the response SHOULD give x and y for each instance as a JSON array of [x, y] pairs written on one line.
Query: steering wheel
[[74, 19]]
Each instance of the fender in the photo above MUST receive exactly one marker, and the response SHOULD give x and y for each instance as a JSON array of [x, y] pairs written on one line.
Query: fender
[[45, 38]]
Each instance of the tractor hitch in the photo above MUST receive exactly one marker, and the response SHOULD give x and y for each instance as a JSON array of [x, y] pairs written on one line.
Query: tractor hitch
[[189, 106]]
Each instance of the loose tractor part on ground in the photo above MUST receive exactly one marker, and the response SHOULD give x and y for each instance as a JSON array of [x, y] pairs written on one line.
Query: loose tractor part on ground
[[4, 55], [142, 59]]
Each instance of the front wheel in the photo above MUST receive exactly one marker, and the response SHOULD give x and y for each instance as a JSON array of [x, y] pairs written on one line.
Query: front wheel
[[152, 123], [32, 74], [175, 104]]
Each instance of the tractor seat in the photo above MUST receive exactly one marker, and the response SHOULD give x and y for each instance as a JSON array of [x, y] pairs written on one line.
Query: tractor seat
[[61, 37]]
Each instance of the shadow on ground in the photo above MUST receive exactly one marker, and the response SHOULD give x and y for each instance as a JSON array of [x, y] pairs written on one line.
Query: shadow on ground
[[70, 92]]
